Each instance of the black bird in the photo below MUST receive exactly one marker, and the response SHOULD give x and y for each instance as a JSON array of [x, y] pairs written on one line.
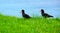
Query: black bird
[[45, 15], [25, 15]]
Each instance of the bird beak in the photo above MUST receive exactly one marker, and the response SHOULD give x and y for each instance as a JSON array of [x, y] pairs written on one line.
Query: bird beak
[[20, 12], [39, 11]]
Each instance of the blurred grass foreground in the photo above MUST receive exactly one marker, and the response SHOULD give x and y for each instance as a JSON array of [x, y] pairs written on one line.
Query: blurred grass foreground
[[13, 24]]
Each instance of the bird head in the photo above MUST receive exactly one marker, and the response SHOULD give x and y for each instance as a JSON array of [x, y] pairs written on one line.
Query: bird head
[[42, 11], [22, 11]]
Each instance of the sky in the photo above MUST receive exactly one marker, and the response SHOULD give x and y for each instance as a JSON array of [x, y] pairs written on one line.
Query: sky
[[31, 7]]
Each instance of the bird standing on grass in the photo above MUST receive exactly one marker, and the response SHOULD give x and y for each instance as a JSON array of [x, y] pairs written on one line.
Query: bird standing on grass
[[45, 15], [25, 15]]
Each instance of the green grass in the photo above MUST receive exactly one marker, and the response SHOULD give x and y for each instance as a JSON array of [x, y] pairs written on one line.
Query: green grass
[[9, 24]]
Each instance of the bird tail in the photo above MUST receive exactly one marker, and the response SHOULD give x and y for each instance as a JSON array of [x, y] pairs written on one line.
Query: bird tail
[[51, 16]]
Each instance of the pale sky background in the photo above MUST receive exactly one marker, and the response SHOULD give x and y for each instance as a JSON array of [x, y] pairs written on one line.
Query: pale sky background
[[13, 7]]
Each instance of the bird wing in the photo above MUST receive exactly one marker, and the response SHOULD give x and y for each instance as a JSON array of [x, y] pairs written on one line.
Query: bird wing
[[48, 15], [27, 15]]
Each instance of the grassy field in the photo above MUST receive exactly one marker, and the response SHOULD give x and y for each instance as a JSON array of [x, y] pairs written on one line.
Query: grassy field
[[9, 24]]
